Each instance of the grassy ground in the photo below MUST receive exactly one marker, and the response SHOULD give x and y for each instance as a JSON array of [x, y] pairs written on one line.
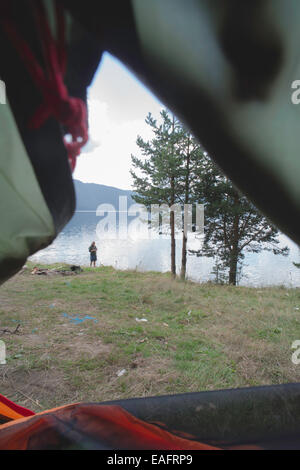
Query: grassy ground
[[78, 332]]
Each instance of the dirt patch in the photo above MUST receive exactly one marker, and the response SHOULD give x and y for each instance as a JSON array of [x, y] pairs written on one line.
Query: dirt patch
[[81, 346], [34, 339], [33, 388]]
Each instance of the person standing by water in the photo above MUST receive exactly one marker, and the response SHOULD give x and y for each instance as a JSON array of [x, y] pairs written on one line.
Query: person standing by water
[[93, 253]]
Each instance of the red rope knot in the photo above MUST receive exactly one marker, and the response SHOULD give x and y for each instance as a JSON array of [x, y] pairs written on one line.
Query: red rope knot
[[69, 111], [75, 121]]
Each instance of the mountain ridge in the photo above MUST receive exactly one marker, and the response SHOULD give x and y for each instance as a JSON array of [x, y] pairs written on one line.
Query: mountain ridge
[[90, 195]]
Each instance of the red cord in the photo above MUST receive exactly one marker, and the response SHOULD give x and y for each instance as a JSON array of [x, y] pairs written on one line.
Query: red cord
[[69, 111]]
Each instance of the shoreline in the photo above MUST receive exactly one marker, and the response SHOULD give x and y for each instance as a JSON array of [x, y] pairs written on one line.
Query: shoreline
[[142, 271]]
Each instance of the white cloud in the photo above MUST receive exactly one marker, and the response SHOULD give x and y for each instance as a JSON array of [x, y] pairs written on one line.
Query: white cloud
[[114, 125], [109, 161]]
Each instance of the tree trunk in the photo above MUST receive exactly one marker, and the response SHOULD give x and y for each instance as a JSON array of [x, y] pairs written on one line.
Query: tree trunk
[[172, 226], [234, 249], [185, 214], [233, 268], [184, 245], [183, 258], [173, 244]]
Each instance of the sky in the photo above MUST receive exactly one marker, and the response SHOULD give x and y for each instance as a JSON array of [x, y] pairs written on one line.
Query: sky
[[118, 104]]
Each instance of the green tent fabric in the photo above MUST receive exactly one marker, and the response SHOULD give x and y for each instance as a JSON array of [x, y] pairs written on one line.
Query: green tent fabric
[[37, 193], [26, 223]]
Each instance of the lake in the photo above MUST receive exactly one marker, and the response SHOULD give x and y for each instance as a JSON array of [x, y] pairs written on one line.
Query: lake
[[71, 246]]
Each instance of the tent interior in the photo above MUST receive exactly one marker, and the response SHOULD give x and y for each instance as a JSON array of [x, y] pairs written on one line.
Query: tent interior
[[226, 69]]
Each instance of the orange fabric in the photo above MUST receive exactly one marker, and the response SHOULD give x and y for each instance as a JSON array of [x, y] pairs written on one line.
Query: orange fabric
[[8, 412], [107, 424], [24, 419]]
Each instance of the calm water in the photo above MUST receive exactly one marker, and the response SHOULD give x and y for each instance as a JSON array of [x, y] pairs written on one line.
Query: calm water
[[71, 246]]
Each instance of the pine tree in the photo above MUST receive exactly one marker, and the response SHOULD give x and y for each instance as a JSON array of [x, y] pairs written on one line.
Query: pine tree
[[156, 179], [233, 225], [172, 163]]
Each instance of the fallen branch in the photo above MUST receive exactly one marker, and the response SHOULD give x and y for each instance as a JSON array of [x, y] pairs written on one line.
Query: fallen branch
[[6, 330], [64, 272]]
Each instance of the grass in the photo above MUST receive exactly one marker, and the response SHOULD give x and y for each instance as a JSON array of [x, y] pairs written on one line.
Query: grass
[[78, 332]]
